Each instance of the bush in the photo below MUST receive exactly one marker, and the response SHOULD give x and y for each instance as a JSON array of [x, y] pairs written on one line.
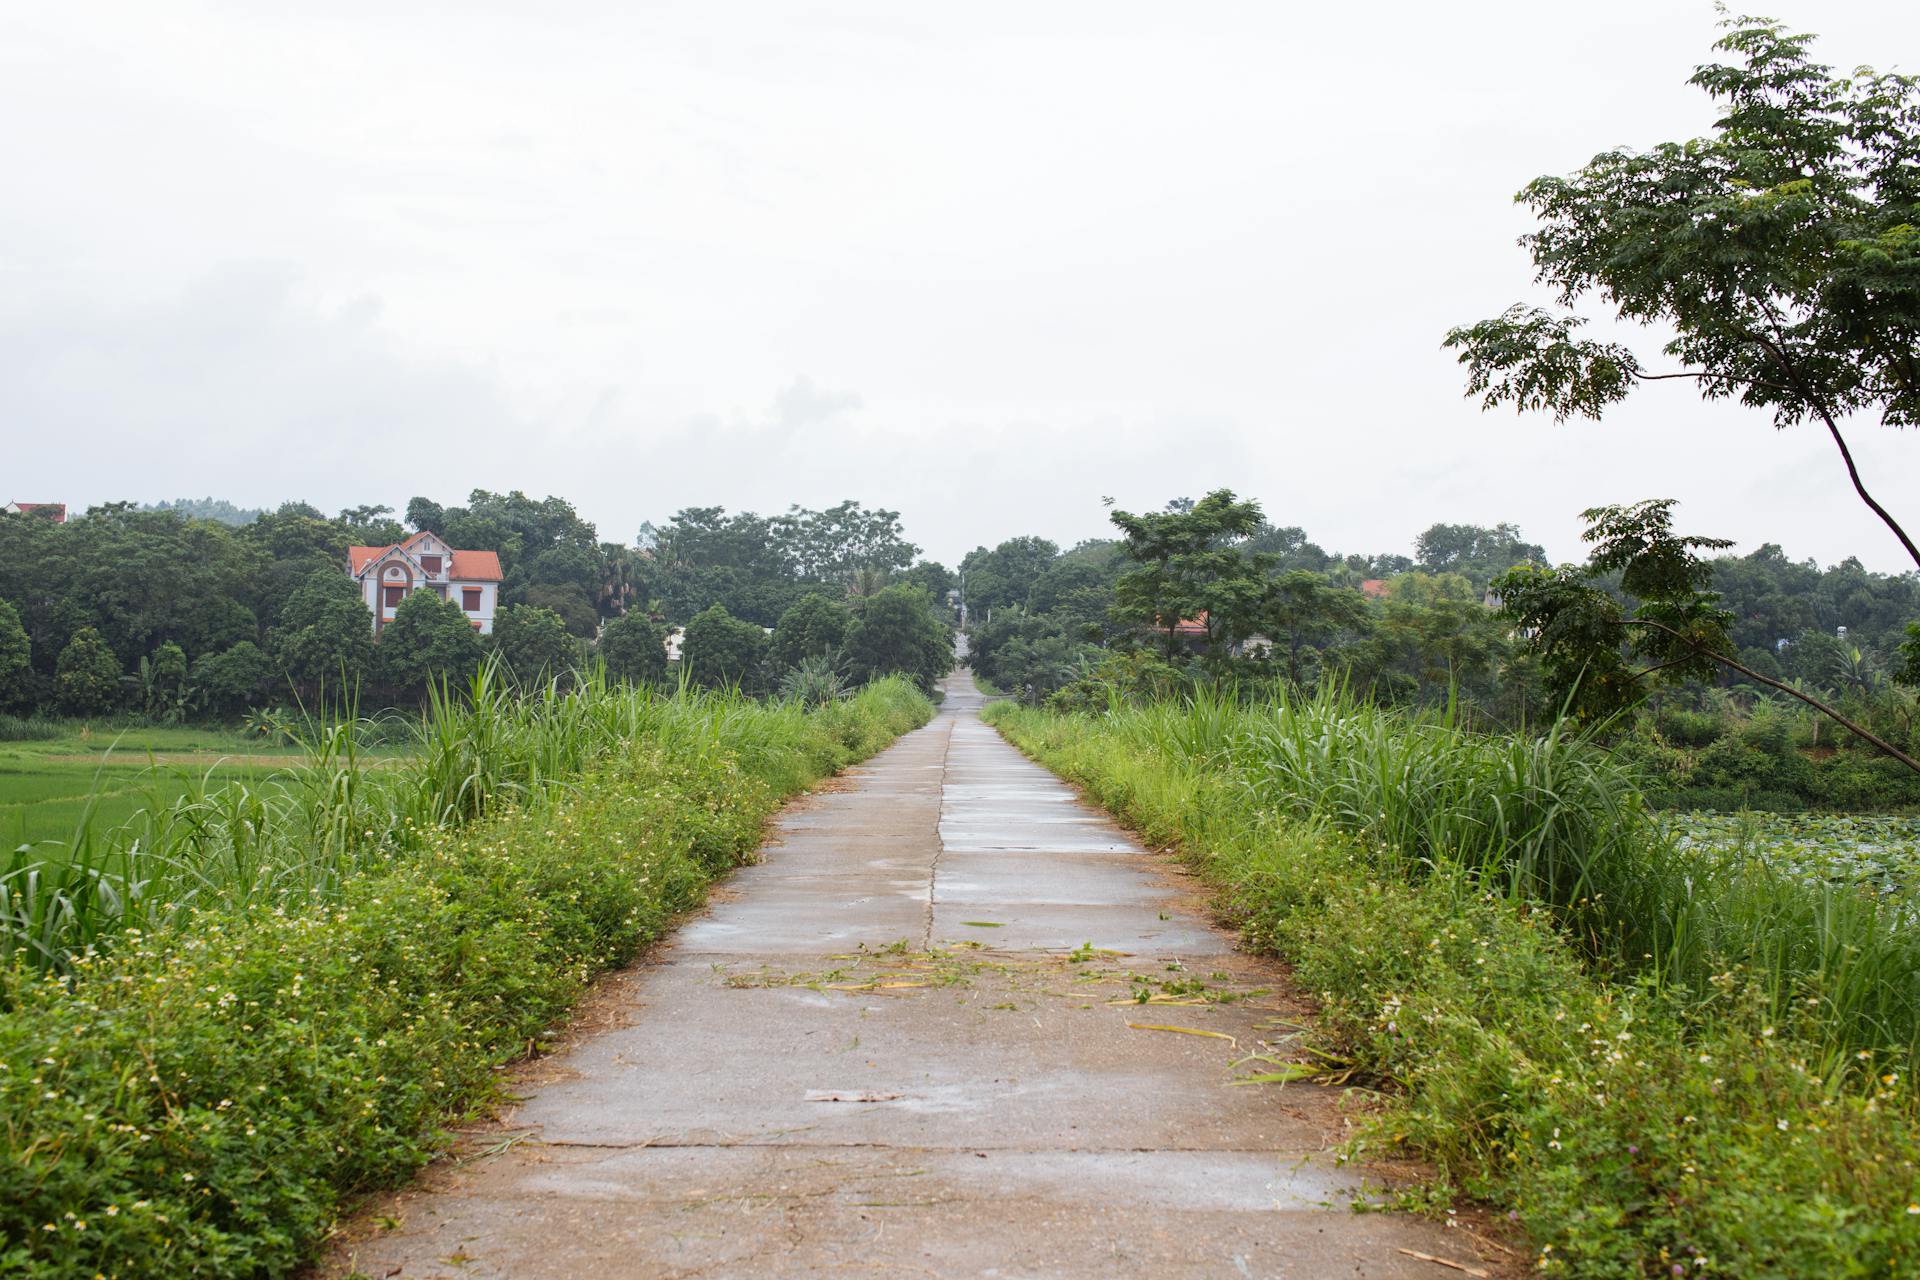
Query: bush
[[1688, 728], [87, 679], [230, 682], [200, 1102], [721, 650], [534, 643], [634, 649]]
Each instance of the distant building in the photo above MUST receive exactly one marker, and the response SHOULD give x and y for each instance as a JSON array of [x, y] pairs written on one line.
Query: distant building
[[1374, 588], [388, 575], [54, 511]]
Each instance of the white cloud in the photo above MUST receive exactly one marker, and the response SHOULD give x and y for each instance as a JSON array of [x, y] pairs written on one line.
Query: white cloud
[[982, 264]]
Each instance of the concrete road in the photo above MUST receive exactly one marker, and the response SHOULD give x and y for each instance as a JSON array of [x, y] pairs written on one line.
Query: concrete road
[[955, 1023]]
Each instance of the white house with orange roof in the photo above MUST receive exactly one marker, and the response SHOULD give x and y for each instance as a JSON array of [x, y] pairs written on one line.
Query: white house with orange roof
[[424, 562]]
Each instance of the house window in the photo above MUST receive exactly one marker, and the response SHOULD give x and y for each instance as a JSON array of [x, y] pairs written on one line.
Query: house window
[[431, 564], [441, 589], [391, 595], [470, 599]]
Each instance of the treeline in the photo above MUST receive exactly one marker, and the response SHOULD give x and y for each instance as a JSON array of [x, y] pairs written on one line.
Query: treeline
[[1263, 603], [1258, 601], [193, 609]]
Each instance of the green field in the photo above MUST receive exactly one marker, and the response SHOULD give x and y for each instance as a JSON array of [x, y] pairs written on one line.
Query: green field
[[48, 786]]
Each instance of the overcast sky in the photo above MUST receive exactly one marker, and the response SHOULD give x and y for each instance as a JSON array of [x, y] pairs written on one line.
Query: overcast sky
[[983, 263]]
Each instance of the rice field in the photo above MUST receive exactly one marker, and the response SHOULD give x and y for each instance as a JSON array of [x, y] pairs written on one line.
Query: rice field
[[80, 775]]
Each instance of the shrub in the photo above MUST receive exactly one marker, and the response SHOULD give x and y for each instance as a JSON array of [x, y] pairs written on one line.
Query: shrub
[[199, 1102], [534, 643], [720, 649], [634, 649], [87, 679], [230, 682]]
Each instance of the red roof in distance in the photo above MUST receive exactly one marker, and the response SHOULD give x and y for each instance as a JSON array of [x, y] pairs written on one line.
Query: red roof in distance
[[58, 510]]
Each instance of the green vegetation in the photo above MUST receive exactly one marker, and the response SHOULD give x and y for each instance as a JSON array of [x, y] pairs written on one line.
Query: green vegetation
[[198, 1097], [1780, 252], [1878, 854], [200, 611], [1654, 1052]]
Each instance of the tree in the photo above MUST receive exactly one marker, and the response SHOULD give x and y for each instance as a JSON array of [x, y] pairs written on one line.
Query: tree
[[1475, 552], [931, 577], [428, 639], [16, 657], [228, 683], [163, 682], [325, 637], [534, 642], [1601, 654], [569, 603], [834, 545], [1029, 655], [1189, 566], [635, 650], [895, 631], [1003, 576], [424, 515], [622, 580], [87, 678], [1782, 252], [720, 649], [1310, 614], [371, 526], [814, 626]]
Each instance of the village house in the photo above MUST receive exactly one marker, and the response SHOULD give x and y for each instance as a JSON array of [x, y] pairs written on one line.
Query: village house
[[388, 575], [54, 511]]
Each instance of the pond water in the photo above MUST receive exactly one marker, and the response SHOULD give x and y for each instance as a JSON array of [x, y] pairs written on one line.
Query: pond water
[[1872, 851]]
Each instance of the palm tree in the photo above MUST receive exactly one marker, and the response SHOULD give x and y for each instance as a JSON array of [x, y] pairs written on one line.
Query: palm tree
[[617, 589]]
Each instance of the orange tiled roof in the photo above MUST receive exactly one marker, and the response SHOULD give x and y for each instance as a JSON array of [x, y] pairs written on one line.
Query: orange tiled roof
[[59, 509], [475, 566], [466, 566], [1374, 588]]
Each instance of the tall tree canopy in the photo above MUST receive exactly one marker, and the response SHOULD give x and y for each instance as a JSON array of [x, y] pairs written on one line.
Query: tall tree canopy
[[1782, 252], [896, 632], [1191, 565]]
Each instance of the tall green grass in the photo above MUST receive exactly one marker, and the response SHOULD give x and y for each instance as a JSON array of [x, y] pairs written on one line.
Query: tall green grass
[[1736, 1099], [291, 838], [1552, 818]]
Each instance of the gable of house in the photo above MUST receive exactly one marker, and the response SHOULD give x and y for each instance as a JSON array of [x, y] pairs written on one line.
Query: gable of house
[[388, 575]]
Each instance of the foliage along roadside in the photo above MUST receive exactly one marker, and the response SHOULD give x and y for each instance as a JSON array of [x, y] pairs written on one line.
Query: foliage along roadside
[[199, 1103], [1631, 1129]]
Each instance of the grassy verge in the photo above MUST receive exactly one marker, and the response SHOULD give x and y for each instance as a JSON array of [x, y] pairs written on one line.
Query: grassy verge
[[196, 1100], [1685, 1109]]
